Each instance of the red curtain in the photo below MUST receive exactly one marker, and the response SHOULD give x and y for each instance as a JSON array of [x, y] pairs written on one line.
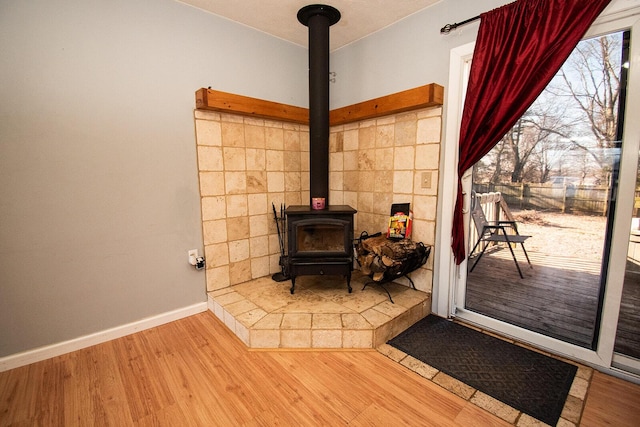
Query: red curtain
[[520, 47]]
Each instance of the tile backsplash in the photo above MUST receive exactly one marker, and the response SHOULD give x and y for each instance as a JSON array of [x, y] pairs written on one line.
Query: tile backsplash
[[245, 164]]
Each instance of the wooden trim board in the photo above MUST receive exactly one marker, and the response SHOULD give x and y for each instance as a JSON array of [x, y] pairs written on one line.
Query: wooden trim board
[[57, 349], [208, 99], [431, 95]]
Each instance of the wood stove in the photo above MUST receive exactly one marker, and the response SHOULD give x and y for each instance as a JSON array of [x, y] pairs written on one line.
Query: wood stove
[[320, 236], [320, 242]]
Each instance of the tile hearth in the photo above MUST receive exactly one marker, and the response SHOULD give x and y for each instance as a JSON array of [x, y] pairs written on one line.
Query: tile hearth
[[321, 313]]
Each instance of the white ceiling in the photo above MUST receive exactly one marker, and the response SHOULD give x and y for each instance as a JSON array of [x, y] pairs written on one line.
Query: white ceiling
[[278, 17]]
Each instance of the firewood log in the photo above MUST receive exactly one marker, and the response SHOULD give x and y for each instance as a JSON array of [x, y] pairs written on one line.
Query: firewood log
[[381, 258]]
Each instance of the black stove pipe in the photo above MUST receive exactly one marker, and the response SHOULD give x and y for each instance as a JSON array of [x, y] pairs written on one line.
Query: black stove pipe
[[318, 18]]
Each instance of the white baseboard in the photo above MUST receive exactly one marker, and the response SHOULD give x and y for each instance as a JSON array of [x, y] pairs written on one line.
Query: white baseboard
[[49, 351]]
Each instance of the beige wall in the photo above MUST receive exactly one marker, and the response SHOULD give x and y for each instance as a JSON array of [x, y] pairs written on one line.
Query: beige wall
[[246, 164]]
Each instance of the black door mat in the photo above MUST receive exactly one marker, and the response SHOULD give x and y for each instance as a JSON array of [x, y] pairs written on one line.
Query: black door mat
[[530, 382]]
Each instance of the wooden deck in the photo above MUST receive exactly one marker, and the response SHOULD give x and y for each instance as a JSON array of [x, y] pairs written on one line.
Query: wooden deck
[[557, 298], [628, 336]]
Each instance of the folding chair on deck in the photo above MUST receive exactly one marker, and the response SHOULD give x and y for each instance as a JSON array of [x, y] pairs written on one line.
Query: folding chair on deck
[[496, 232]]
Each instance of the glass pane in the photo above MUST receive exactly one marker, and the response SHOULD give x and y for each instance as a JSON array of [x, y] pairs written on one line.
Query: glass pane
[[552, 176], [320, 238], [628, 334]]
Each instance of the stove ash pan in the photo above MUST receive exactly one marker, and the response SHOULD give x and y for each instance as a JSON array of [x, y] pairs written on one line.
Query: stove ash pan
[[320, 242]]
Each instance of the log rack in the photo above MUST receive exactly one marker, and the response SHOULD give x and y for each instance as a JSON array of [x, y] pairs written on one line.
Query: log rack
[[386, 260]]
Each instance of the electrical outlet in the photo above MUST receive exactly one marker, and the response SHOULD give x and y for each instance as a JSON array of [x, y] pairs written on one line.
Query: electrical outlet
[[193, 256], [426, 180]]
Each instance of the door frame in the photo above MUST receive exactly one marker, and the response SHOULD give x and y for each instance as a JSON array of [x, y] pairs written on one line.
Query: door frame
[[447, 275]]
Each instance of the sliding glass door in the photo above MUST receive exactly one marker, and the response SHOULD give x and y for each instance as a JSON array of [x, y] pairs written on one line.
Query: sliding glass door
[[554, 176], [573, 193], [627, 343]]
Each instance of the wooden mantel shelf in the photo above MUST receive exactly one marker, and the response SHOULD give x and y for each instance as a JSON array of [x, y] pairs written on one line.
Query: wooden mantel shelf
[[431, 95], [208, 99]]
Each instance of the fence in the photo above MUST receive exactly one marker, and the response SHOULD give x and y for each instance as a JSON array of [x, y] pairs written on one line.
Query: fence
[[578, 199]]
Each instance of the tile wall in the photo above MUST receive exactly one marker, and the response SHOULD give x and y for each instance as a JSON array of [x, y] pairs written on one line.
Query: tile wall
[[246, 164]]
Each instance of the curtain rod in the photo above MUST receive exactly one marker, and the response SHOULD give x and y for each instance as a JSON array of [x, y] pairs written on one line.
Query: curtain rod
[[447, 28]]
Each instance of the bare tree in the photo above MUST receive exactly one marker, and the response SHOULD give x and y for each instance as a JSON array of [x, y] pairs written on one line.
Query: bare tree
[[591, 80], [577, 113], [531, 140], [500, 152]]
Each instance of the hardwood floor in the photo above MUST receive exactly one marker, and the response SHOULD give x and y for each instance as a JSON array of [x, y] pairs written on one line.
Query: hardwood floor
[[611, 402], [195, 372]]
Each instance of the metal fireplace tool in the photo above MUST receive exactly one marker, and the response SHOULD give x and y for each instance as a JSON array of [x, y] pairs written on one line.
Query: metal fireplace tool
[[283, 274]]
